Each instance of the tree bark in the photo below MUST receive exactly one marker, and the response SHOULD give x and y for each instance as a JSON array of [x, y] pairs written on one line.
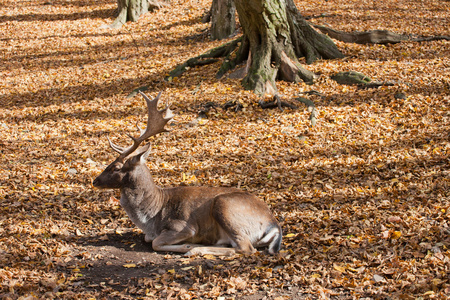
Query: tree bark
[[308, 42], [129, 10], [376, 36], [223, 22]]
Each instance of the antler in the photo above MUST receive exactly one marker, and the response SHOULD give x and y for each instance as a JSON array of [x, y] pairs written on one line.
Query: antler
[[156, 120]]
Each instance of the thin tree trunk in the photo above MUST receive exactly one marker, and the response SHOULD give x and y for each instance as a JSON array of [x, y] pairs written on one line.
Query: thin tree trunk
[[223, 22], [129, 10]]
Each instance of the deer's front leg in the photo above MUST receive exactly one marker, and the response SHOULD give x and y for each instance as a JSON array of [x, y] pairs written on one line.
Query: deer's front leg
[[168, 240], [148, 238]]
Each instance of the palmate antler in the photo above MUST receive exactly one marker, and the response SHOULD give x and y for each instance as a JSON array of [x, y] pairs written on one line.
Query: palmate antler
[[156, 120]]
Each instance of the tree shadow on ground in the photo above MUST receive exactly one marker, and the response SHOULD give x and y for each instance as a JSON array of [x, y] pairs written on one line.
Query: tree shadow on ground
[[37, 17], [74, 94], [96, 14]]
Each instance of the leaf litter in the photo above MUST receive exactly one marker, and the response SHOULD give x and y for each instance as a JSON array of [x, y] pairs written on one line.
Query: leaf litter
[[363, 196]]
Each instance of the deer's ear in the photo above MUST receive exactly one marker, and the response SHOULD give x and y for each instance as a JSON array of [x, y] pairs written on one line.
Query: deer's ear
[[143, 153]]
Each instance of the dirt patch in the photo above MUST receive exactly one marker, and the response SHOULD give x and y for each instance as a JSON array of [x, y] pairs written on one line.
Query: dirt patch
[[123, 264]]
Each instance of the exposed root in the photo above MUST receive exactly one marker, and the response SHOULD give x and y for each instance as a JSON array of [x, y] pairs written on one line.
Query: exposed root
[[374, 36], [373, 85], [234, 104], [359, 79], [192, 62], [204, 59], [276, 103], [292, 71], [155, 5], [308, 42]]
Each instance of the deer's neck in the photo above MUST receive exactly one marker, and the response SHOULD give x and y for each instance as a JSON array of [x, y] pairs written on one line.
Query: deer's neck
[[141, 198]]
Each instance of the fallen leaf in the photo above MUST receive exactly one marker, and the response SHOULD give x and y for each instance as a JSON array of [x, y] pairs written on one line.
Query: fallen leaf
[[396, 235], [394, 219], [378, 278], [339, 268]]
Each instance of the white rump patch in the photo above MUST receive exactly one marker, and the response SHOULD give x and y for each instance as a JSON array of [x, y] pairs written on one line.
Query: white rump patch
[[269, 237]]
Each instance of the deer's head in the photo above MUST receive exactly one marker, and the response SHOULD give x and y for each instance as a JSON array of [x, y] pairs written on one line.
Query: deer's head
[[130, 164]]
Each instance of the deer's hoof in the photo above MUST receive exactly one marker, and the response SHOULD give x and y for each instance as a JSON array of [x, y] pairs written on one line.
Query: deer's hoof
[[192, 252]]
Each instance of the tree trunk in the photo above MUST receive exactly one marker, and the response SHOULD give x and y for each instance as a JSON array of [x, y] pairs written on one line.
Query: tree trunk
[[129, 10], [275, 35], [223, 22], [308, 42]]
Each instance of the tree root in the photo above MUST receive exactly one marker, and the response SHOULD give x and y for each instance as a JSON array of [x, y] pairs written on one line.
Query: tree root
[[373, 85], [430, 38], [204, 59], [276, 103], [351, 78], [308, 42], [155, 5], [358, 79], [196, 61], [236, 105], [292, 71], [312, 92], [374, 36]]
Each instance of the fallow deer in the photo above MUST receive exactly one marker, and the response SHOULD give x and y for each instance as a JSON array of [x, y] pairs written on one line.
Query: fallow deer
[[186, 219]]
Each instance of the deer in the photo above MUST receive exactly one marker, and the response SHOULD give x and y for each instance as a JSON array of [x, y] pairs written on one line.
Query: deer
[[194, 220]]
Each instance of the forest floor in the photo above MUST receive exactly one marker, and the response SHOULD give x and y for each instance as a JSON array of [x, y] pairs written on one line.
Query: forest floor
[[363, 197]]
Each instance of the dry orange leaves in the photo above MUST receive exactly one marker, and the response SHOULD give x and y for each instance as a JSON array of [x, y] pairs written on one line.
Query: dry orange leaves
[[363, 196]]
